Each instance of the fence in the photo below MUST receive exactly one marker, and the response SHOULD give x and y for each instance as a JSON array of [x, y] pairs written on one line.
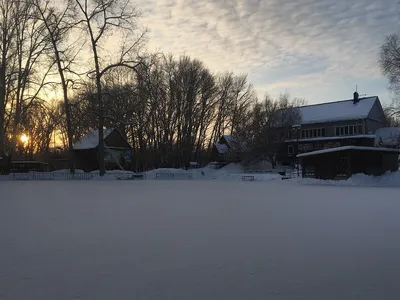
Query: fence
[[174, 176], [76, 176]]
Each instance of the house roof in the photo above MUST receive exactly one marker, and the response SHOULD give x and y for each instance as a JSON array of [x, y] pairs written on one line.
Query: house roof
[[221, 148], [91, 139], [337, 111], [228, 142], [235, 143]]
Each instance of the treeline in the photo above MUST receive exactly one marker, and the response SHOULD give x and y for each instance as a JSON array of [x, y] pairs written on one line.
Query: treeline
[[173, 110], [59, 79]]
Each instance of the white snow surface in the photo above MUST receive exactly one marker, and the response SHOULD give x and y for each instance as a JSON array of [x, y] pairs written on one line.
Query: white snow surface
[[337, 111], [91, 139], [329, 138], [343, 148], [390, 179], [197, 240]]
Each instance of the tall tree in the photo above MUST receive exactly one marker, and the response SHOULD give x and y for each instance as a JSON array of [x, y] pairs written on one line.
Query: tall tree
[[8, 25], [390, 65], [100, 18], [59, 23], [270, 123], [29, 72]]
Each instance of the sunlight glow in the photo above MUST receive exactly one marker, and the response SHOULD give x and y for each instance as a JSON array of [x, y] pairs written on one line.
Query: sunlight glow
[[24, 138]]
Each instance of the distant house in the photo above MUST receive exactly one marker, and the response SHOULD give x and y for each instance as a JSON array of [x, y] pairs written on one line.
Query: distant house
[[334, 124], [117, 151], [229, 149]]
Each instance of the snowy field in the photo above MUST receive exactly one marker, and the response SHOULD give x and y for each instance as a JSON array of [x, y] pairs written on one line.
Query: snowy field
[[198, 239]]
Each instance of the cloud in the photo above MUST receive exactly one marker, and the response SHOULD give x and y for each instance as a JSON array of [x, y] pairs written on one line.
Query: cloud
[[293, 44]]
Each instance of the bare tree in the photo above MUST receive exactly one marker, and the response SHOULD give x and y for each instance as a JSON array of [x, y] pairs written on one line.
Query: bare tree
[[271, 122], [27, 72], [392, 116], [390, 65], [7, 35], [40, 125], [101, 18], [59, 23]]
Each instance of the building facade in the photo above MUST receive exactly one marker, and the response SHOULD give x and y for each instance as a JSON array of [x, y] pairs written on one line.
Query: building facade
[[334, 124]]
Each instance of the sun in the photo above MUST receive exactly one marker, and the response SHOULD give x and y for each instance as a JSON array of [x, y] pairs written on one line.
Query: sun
[[24, 138]]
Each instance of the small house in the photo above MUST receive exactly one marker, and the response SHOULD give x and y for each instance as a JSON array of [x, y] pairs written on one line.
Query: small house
[[229, 149], [117, 151]]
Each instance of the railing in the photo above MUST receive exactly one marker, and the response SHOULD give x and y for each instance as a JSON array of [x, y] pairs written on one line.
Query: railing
[[76, 176]]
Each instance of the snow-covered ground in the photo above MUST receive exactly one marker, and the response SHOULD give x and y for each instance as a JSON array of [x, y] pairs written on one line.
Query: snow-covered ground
[[197, 239]]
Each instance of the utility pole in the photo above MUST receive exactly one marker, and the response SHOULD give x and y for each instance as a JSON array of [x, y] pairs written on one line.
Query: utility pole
[[297, 128]]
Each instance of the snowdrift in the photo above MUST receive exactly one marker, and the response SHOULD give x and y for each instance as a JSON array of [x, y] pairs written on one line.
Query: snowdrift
[[387, 180]]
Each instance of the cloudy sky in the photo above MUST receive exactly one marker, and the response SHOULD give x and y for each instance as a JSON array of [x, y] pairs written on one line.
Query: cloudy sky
[[315, 49]]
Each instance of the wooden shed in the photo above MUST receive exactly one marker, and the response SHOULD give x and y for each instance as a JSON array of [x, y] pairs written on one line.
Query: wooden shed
[[342, 162], [117, 151]]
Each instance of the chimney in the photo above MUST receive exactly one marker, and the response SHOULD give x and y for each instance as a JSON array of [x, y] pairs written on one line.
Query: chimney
[[355, 98]]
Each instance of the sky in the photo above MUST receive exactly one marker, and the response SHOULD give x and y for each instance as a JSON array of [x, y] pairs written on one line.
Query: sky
[[313, 49]]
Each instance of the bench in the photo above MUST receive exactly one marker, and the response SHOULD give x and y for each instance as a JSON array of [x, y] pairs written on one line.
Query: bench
[[247, 178], [139, 176], [132, 177], [174, 176]]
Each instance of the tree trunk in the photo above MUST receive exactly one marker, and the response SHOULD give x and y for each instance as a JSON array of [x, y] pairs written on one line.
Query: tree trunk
[[2, 106]]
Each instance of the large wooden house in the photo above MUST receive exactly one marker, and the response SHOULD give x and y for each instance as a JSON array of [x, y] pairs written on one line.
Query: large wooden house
[[334, 124]]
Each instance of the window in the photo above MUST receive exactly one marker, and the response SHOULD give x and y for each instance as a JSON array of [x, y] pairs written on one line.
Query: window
[[348, 130], [360, 129], [291, 150], [312, 133]]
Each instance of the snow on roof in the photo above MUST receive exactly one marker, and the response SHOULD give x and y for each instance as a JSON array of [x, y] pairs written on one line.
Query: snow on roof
[[336, 149], [237, 144], [337, 111], [91, 140], [229, 138], [221, 148], [329, 138]]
